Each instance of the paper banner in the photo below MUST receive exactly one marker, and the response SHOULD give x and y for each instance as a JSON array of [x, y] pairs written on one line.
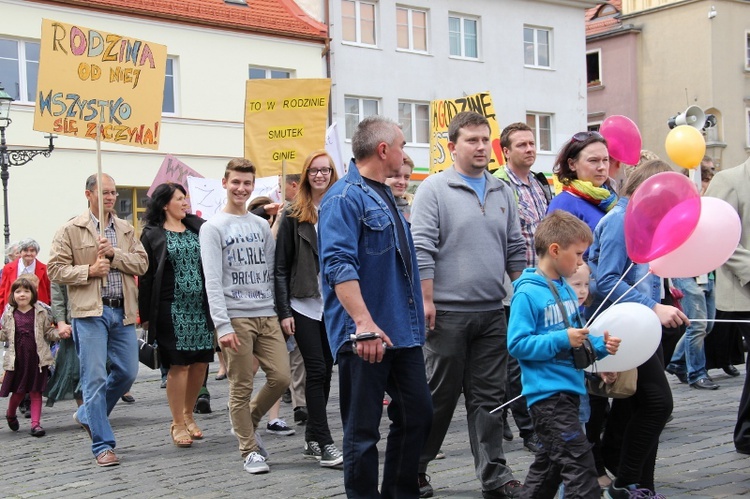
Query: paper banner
[[175, 171], [207, 195], [284, 120], [441, 114], [333, 148], [89, 78], [267, 186]]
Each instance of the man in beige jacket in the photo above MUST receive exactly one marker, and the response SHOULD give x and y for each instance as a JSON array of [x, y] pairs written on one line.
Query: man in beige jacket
[[733, 279], [100, 275]]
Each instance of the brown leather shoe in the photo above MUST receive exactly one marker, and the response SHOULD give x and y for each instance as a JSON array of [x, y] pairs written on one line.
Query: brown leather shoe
[[107, 458]]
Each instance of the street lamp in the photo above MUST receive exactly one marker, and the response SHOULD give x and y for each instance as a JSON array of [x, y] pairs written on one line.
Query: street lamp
[[13, 157]]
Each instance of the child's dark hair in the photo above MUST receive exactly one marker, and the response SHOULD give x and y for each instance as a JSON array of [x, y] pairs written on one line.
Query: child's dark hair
[[25, 283], [562, 228]]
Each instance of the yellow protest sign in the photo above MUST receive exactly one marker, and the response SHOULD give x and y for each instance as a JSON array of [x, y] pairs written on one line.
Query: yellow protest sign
[[285, 120], [89, 78], [441, 114]]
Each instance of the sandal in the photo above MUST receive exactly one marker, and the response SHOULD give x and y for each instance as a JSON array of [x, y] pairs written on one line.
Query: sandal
[[193, 430], [180, 435]]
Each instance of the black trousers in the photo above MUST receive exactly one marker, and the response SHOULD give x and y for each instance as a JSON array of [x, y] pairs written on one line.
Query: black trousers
[[742, 429], [635, 424], [312, 342], [565, 453]]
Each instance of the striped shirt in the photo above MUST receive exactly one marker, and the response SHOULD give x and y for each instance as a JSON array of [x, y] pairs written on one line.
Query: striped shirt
[[532, 207], [113, 289]]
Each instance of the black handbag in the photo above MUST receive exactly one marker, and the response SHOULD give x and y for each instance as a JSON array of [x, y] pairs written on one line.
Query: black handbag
[[148, 355]]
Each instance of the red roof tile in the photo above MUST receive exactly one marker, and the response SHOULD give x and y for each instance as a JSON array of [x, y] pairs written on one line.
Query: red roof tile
[[596, 25], [272, 17]]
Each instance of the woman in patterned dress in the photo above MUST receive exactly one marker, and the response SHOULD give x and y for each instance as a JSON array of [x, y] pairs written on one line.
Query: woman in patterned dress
[[173, 305]]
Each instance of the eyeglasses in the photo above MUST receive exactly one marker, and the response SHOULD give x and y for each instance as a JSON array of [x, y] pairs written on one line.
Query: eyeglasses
[[107, 193], [313, 172], [582, 136]]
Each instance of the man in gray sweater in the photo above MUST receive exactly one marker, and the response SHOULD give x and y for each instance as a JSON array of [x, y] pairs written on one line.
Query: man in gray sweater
[[467, 235], [237, 250]]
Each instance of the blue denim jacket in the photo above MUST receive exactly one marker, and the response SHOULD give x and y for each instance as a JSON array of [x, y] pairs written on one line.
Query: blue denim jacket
[[608, 259], [357, 240]]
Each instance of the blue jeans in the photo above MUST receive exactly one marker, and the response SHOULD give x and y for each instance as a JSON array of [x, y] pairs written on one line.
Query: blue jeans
[[98, 339], [699, 302], [362, 385]]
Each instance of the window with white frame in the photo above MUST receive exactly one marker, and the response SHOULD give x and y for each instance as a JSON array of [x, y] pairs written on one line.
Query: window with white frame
[[537, 47], [358, 21], [355, 110], [258, 73], [541, 125], [169, 104], [411, 29], [594, 68], [19, 68], [463, 36], [414, 118]]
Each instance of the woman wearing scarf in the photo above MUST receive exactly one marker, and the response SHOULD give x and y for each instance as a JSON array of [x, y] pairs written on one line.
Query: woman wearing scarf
[[582, 167]]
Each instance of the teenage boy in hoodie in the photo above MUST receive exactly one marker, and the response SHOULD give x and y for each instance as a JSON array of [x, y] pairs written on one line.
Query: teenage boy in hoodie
[[541, 338]]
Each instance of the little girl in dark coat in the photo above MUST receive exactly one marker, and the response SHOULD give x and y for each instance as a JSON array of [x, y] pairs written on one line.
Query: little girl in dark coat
[[27, 326]]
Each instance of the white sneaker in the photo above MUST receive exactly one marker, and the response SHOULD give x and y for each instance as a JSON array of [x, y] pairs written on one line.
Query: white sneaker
[[255, 464]]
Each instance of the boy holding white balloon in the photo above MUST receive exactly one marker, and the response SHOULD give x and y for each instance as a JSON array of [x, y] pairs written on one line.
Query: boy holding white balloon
[[544, 328]]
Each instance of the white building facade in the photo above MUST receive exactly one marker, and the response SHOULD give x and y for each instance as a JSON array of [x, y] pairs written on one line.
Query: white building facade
[[393, 58], [203, 113]]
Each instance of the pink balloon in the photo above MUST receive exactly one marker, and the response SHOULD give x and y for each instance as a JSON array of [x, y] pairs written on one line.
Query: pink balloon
[[623, 139], [710, 245], [661, 215]]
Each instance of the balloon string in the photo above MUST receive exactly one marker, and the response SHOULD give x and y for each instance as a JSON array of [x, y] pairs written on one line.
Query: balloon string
[[609, 294], [719, 320], [505, 404]]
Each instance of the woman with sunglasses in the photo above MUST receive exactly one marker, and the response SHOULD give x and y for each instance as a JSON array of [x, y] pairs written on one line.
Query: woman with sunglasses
[[582, 167], [299, 300]]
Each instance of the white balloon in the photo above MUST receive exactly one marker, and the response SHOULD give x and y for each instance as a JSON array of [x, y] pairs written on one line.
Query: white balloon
[[639, 329]]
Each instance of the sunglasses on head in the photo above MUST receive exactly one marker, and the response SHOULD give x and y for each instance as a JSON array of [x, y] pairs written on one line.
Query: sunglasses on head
[[582, 136]]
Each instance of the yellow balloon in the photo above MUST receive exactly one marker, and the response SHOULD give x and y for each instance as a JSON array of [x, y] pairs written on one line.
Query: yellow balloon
[[685, 146]]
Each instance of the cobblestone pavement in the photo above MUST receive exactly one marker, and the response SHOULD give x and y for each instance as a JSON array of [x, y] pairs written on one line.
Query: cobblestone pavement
[[696, 454]]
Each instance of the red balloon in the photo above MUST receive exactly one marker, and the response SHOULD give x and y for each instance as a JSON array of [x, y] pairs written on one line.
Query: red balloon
[[623, 139], [661, 215]]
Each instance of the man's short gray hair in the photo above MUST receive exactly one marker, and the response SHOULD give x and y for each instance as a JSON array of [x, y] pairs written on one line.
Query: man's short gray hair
[[91, 181], [27, 243], [370, 132]]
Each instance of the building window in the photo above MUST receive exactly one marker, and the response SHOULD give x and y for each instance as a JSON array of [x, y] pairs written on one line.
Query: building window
[[267, 73], [537, 44], [594, 68], [541, 125], [169, 105], [414, 118], [19, 68], [358, 21], [463, 33], [355, 110], [127, 198], [747, 50], [411, 29]]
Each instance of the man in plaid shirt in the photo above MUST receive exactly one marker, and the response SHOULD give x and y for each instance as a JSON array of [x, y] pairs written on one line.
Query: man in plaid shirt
[[532, 193]]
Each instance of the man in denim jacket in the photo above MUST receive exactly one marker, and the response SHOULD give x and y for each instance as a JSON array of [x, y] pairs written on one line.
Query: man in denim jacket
[[371, 285]]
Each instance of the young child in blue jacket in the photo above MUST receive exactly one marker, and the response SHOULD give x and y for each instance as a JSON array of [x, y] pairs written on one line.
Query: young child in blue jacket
[[544, 326]]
